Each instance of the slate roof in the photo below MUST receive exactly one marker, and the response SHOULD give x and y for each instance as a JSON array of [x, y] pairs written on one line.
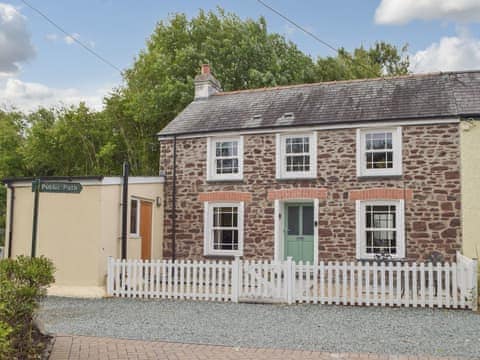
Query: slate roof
[[439, 95]]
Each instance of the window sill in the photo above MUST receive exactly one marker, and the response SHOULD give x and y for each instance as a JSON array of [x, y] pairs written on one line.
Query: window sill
[[222, 255], [386, 261], [379, 177], [219, 257], [296, 178], [225, 180]]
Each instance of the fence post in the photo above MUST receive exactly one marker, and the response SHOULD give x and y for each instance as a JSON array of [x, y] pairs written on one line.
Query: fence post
[[236, 279], [474, 285], [110, 276], [290, 280]]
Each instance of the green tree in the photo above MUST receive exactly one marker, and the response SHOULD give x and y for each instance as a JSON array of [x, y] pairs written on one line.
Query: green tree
[[382, 59], [68, 141], [12, 128]]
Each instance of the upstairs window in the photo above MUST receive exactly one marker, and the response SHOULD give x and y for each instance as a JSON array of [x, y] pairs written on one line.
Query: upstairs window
[[296, 156], [379, 152], [225, 159]]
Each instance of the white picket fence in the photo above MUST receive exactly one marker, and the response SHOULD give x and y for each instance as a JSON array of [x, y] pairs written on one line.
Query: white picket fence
[[355, 283]]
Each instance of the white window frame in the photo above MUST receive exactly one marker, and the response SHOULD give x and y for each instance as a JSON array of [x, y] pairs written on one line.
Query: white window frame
[[137, 225], [281, 165], [212, 163], [208, 228], [361, 241], [396, 148]]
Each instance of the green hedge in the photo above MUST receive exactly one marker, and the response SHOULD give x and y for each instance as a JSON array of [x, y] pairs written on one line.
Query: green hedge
[[23, 283]]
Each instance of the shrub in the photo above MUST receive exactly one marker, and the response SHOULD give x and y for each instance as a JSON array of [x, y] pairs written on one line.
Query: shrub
[[23, 283]]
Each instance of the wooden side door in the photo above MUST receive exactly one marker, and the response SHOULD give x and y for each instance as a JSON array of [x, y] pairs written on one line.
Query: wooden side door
[[146, 229]]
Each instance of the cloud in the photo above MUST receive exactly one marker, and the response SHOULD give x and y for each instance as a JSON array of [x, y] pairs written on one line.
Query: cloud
[[460, 52], [397, 12], [28, 96], [15, 41], [70, 39]]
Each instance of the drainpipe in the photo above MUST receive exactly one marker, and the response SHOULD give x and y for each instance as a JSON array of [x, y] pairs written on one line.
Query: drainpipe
[[174, 199], [36, 183], [126, 169], [10, 226]]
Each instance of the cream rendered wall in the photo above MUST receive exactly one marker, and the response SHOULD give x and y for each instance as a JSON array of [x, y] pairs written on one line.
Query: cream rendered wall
[[80, 231], [68, 233], [68, 227], [470, 150], [22, 222], [111, 213]]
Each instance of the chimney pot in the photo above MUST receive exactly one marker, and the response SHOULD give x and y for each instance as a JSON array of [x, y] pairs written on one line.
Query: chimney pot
[[205, 69]]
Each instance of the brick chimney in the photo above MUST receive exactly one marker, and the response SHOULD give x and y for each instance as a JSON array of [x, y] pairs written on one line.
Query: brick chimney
[[206, 84]]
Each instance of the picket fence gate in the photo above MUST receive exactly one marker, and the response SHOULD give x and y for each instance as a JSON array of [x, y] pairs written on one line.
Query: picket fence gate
[[441, 285]]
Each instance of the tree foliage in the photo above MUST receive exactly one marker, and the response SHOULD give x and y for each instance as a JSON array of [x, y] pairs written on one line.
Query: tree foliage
[[23, 283], [11, 159]]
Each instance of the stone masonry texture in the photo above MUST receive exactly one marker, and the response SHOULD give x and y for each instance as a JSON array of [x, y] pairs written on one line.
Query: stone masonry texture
[[431, 179]]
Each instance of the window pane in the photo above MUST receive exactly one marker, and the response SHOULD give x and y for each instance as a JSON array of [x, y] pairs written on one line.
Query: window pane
[[293, 220], [297, 145], [307, 219], [227, 166], [378, 141], [225, 217], [133, 216], [298, 163], [381, 242], [380, 217], [226, 148], [379, 160], [225, 239], [389, 141]]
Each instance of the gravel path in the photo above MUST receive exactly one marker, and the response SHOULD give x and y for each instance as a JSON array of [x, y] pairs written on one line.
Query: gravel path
[[309, 327]]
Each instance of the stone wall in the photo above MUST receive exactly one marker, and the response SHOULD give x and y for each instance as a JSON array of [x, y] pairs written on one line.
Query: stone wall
[[431, 177]]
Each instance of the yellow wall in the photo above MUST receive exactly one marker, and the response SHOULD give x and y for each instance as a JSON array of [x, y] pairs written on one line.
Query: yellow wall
[[470, 148], [79, 231]]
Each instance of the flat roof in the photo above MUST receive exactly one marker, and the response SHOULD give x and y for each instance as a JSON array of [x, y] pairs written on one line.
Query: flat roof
[[87, 180]]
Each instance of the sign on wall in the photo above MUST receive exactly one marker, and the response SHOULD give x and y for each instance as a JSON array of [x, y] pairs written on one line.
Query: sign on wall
[[57, 187]]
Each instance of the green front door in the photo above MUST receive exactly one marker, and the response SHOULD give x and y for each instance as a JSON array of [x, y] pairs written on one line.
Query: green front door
[[299, 231]]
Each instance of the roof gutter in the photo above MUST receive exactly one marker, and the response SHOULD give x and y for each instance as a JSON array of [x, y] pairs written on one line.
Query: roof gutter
[[12, 180], [265, 128]]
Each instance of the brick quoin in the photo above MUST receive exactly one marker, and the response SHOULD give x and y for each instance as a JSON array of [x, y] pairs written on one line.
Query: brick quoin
[[381, 194], [225, 196], [297, 193]]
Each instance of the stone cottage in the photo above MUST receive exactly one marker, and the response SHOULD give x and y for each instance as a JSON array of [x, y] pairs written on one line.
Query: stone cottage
[[347, 170]]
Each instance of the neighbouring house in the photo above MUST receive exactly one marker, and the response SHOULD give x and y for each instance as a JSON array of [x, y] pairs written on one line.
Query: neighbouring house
[[470, 174], [79, 231], [347, 170]]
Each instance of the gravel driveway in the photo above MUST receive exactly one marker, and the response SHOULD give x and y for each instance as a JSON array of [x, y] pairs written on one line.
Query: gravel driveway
[[309, 327]]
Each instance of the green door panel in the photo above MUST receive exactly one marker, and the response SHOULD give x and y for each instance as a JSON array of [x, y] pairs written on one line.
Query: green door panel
[[299, 230]]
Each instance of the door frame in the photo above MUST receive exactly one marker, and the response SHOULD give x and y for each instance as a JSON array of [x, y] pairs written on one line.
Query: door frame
[[279, 224]]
